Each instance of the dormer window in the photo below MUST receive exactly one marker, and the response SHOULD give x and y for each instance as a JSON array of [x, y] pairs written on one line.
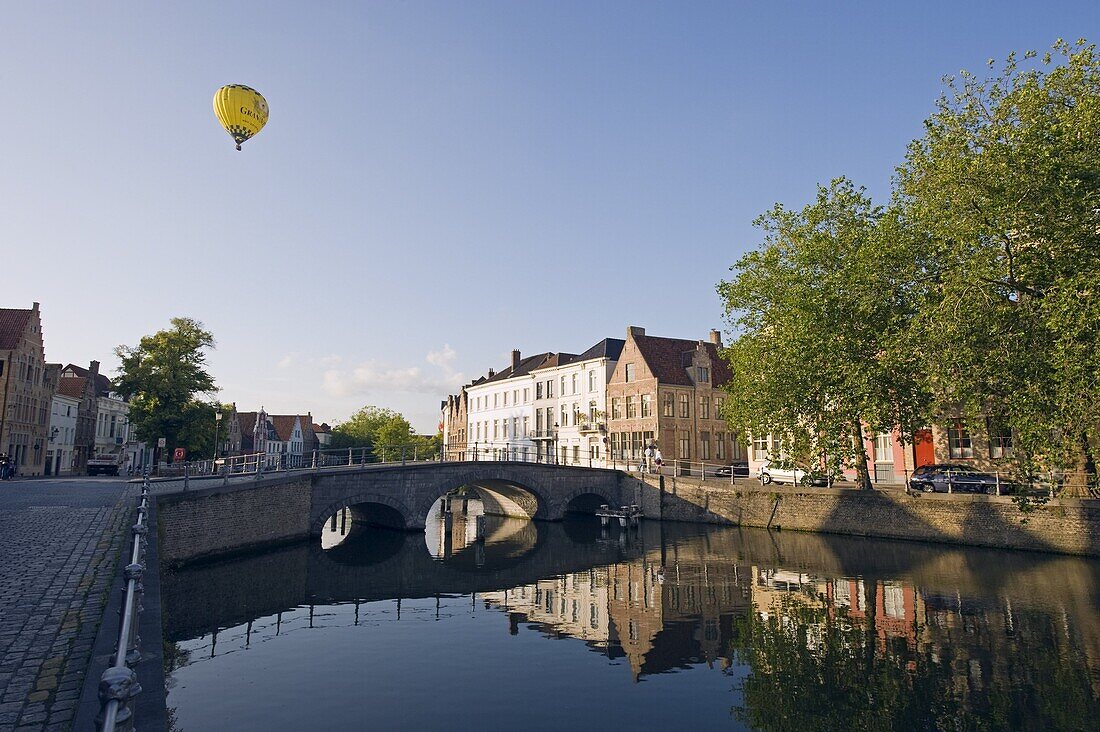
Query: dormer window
[[702, 374]]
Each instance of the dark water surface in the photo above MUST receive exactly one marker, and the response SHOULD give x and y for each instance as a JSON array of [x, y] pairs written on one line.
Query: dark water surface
[[670, 627]]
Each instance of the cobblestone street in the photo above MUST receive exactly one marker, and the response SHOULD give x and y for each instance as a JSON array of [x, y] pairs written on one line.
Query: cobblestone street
[[58, 542]]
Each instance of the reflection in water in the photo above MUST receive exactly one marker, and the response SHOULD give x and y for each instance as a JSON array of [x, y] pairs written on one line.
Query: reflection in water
[[767, 631]]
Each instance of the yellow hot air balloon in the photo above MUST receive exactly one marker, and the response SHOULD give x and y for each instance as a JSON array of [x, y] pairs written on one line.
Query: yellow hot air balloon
[[242, 111]]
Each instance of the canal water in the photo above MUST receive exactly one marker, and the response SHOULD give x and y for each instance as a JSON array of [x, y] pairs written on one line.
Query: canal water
[[567, 626]]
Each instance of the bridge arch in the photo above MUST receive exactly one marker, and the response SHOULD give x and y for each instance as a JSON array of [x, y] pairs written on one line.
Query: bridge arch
[[368, 508], [500, 497]]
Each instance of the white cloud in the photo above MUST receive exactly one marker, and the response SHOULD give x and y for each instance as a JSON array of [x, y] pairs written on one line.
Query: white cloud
[[285, 362], [371, 377]]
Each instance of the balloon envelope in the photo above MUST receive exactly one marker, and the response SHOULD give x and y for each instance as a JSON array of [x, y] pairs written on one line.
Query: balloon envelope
[[241, 110]]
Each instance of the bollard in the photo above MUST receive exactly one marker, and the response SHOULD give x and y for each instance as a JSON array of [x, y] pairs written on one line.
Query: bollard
[[186, 475], [997, 483]]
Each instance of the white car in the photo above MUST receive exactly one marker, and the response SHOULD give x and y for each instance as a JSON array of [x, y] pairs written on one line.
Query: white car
[[769, 472]]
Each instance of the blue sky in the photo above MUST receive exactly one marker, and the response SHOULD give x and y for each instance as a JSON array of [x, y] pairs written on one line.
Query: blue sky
[[440, 182]]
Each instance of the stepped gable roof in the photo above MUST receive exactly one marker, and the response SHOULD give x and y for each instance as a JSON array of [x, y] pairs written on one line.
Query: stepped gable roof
[[665, 357], [610, 348], [13, 323], [103, 385], [72, 386], [526, 366]]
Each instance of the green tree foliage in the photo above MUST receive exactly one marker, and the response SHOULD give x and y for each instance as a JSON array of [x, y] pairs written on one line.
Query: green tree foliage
[[377, 428], [820, 308], [164, 378], [1006, 184]]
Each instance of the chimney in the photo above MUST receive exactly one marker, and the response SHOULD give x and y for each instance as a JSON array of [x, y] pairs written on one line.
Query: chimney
[[491, 373], [633, 331], [515, 359], [34, 307], [93, 367], [716, 338]]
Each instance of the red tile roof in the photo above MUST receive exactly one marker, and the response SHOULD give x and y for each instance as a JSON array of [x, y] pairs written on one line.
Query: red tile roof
[[666, 359], [102, 383], [72, 386], [13, 324]]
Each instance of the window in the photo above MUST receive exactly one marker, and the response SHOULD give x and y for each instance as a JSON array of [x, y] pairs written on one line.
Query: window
[[549, 417], [647, 405], [760, 448], [496, 429], [576, 454], [883, 450], [506, 399], [515, 427], [538, 390], [515, 396], [526, 395], [549, 388], [592, 411], [685, 445], [538, 420], [616, 408], [591, 379], [704, 407], [685, 406], [1000, 439], [704, 446], [563, 386], [495, 398], [631, 408], [669, 408], [574, 383], [703, 373], [720, 445], [959, 445], [564, 422], [478, 429], [629, 372], [526, 425]]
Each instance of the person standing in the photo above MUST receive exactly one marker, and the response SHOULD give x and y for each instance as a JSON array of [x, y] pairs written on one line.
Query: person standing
[[647, 459], [657, 461]]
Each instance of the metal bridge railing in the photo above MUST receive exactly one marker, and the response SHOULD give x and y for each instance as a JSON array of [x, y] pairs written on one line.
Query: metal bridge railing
[[119, 685]]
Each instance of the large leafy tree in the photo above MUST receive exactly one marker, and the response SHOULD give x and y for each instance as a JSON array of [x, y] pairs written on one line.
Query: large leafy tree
[[820, 309], [168, 386], [380, 428], [1005, 183]]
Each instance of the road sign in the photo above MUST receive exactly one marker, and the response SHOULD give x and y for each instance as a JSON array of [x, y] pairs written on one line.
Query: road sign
[[162, 442], [179, 455]]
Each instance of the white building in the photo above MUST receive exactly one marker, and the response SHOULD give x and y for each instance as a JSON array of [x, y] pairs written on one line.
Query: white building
[[571, 404], [61, 436], [546, 408], [500, 412]]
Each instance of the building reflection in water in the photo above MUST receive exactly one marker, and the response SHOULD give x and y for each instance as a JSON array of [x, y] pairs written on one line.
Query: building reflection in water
[[820, 632]]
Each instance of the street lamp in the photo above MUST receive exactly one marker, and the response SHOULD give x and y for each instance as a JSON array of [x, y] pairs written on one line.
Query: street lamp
[[217, 423]]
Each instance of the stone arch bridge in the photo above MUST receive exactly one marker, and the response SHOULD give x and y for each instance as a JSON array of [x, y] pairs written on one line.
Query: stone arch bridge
[[220, 519], [401, 497]]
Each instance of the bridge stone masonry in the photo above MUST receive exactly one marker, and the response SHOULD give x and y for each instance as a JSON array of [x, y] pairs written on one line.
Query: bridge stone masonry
[[222, 519]]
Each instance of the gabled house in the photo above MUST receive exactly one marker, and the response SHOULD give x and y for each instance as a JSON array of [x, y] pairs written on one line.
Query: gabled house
[[667, 393]]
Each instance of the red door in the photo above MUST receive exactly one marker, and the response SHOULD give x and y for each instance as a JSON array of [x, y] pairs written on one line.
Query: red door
[[924, 453]]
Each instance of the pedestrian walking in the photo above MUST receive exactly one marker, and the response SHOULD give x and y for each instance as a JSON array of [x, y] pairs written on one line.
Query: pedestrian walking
[[647, 459], [657, 461]]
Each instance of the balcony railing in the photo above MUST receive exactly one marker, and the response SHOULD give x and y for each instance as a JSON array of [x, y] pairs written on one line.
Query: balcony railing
[[586, 426], [542, 434]]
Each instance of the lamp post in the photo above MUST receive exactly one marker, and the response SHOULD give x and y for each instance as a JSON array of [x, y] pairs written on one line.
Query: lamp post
[[217, 423]]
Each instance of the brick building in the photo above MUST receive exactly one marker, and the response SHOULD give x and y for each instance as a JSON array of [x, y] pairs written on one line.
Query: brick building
[[26, 390], [454, 425], [85, 385], [668, 392]]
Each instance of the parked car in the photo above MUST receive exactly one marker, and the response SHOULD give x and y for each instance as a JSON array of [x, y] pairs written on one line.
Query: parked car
[[736, 469], [940, 478], [770, 472]]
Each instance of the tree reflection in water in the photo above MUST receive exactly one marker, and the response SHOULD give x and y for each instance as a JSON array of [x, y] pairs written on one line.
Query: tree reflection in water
[[815, 665]]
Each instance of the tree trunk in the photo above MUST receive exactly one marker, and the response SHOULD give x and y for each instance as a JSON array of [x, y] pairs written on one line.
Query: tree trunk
[[1083, 475], [863, 477]]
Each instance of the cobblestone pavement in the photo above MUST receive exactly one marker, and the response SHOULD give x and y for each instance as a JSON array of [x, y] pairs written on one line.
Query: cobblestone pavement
[[58, 542]]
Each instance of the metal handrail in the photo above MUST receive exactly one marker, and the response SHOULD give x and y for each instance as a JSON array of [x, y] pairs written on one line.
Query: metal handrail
[[119, 685]]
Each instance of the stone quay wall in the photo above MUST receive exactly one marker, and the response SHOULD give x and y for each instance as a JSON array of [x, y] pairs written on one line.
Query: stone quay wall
[[1069, 526], [212, 521]]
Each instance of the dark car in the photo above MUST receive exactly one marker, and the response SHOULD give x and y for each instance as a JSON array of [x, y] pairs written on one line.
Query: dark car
[[737, 469], [944, 478]]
